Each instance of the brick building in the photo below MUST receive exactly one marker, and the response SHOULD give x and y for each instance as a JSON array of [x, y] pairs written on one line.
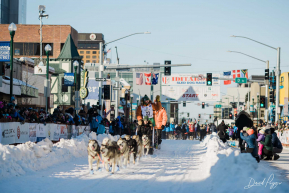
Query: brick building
[[27, 38]]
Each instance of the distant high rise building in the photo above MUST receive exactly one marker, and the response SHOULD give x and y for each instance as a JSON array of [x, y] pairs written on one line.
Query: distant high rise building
[[13, 11]]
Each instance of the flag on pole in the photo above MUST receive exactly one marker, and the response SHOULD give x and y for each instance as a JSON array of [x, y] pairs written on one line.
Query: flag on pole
[[147, 78], [227, 75], [244, 73], [139, 78], [155, 78], [236, 74], [108, 50]]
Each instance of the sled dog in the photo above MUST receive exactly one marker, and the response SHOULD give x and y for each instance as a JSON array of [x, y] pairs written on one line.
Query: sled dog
[[93, 151], [146, 144], [124, 150], [139, 146], [111, 156], [132, 149]]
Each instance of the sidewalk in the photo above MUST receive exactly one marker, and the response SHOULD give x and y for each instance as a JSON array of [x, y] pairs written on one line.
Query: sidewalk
[[283, 162]]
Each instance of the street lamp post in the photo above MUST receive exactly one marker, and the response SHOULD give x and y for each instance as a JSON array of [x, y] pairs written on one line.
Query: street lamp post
[[277, 73], [41, 9], [131, 100], [101, 69], [12, 28], [75, 64], [47, 50]]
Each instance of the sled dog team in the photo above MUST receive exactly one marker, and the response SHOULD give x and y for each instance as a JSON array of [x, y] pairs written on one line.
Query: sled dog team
[[117, 153]]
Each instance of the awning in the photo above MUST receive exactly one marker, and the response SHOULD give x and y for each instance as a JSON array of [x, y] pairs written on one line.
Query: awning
[[19, 88]]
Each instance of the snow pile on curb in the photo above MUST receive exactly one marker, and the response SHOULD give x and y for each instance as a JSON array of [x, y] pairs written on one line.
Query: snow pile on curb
[[28, 157], [225, 163]]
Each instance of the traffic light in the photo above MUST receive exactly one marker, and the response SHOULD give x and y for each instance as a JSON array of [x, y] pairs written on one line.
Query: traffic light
[[234, 105], [203, 105], [274, 82], [209, 79], [272, 96], [199, 116], [230, 115], [106, 92], [167, 69], [188, 114], [262, 102], [266, 74], [184, 104], [210, 116]]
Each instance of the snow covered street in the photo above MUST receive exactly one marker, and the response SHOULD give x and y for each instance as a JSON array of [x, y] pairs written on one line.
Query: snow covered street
[[180, 166]]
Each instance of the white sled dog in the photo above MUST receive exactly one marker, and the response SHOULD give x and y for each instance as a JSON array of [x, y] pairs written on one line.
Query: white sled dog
[[146, 144], [93, 151], [110, 155], [107, 141], [140, 146], [124, 150]]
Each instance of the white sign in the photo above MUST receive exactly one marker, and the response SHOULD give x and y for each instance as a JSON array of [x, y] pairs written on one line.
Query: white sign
[[188, 79], [190, 93], [39, 69], [22, 133], [8, 133], [285, 106], [32, 131], [41, 131], [63, 131]]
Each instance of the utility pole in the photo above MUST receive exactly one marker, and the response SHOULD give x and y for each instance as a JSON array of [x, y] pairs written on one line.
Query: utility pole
[[116, 85], [266, 94], [277, 73]]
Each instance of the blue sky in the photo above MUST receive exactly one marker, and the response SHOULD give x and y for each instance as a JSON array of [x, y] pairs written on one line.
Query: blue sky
[[183, 31]]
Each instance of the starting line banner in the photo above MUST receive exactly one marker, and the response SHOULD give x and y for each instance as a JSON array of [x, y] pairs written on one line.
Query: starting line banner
[[188, 79], [190, 93], [14, 132]]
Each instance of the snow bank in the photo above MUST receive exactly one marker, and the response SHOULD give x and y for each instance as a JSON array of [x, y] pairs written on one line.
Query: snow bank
[[225, 163], [28, 157]]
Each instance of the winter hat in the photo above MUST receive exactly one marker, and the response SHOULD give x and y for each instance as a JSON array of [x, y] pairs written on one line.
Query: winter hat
[[146, 118], [146, 98], [262, 131], [12, 99], [268, 132], [246, 128], [250, 132]]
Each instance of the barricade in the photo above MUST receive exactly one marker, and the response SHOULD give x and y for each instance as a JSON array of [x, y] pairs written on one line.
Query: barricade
[[14, 132], [284, 137]]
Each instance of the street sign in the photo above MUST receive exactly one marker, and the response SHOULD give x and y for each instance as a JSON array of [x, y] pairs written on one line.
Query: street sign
[[116, 88], [100, 79], [218, 106], [241, 80]]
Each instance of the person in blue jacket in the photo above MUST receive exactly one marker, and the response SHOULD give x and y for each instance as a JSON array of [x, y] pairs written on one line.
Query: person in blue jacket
[[94, 124], [172, 129], [252, 144], [167, 130], [120, 126]]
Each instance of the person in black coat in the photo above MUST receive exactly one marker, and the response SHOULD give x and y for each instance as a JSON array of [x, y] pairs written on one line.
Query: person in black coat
[[221, 129], [243, 120]]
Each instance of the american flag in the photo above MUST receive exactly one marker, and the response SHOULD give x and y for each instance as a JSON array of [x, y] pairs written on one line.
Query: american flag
[[108, 50], [139, 78]]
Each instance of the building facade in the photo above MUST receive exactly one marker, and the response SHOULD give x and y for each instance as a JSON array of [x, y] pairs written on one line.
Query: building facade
[[27, 39], [13, 11], [88, 46]]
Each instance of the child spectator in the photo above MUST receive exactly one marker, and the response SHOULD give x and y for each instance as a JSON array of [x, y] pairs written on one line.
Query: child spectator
[[261, 137]]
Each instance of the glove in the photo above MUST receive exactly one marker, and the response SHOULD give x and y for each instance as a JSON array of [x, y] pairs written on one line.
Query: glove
[[158, 98], [163, 127], [139, 122]]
